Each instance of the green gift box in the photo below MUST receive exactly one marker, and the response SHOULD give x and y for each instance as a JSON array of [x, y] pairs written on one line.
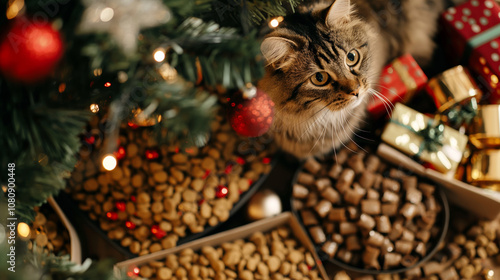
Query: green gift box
[[424, 138]]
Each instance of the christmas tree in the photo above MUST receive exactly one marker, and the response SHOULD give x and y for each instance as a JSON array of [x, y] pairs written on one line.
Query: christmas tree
[[155, 61]]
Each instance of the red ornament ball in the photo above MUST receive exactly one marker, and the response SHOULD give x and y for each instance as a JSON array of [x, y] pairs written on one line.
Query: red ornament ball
[[251, 117], [30, 51]]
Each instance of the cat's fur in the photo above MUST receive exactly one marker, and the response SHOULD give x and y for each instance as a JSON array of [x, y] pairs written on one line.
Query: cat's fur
[[312, 120]]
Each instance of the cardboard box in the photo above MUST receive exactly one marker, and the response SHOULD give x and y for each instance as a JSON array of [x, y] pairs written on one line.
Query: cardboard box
[[238, 233], [76, 249], [482, 202]]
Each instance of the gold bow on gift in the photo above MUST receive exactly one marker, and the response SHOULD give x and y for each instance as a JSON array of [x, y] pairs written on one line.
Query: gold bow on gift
[[424, 138]]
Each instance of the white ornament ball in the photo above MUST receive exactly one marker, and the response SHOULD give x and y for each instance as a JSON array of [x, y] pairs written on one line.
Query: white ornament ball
[[263, 204]]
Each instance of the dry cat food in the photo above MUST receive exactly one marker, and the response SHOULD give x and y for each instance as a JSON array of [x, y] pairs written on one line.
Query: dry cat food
[[366, 214], [159, 194], [468, 253], [273, 255], [48, 232]]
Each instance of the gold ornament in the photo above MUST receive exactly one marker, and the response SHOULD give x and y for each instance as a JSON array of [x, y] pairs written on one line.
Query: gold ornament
[[263, 204]]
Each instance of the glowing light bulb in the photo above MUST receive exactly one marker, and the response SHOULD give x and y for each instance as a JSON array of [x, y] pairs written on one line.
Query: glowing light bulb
[[107, 84], [23, 229], [106, 14], [274, 23], [159, 55], [94, 108], [109, 162]]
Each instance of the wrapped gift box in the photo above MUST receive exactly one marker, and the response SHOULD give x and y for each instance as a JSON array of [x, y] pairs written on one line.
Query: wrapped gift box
[[420, 136], [472, 32], [398, 83]]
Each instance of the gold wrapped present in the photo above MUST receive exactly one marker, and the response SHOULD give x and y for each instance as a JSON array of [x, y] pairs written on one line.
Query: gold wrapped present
[[484, 169], [484, 130], [424, 138]]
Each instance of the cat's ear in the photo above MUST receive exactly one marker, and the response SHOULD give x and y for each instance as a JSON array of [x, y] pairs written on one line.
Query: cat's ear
[[278, 51], [339, 10]]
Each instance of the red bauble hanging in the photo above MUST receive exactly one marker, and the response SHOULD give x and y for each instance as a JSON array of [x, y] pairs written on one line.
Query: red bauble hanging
[[251, 117], [30, 51]]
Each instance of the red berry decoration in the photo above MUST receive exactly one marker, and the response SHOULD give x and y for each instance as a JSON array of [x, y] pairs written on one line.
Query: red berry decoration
[[120, 153], [130, 225], [251, 117], [152, 154], [113, 216], [120, 205], [30, 51], [221, 191], [158, 232], [266, 160], [89, 139], [240, 161]]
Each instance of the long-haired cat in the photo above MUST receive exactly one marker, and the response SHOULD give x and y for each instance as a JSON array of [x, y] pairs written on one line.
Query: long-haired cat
[[324, 62]]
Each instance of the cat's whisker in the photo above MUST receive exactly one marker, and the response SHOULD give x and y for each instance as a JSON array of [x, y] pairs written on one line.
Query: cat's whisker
[[333, 142], [356, 129], [320, 136], [388, 105], [348, 135]]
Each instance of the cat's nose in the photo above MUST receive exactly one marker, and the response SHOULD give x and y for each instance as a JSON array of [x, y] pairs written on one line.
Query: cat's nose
[[354, 93]]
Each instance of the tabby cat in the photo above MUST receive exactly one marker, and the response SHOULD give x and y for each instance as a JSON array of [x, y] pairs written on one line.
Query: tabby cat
[[323, 64]]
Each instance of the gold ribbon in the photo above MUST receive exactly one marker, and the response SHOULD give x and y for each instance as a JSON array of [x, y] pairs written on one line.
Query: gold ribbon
[[402, 71]]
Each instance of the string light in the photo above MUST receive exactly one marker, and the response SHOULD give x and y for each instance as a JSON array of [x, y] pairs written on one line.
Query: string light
[[109, 162], [168, 72], [106, 14], [107, 84], [15, 6], [94, 108], [23, 229], [62, 87], [275, 22], [159, 55], [98, 72]]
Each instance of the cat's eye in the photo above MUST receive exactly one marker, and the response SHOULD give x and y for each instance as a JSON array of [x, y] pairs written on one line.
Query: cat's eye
[[352, 58], [320, 78]]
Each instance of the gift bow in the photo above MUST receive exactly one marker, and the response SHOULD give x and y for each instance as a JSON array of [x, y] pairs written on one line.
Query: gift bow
[[432, 135], [460, 114]]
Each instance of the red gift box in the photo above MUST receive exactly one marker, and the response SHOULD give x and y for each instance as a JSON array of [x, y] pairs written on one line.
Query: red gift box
[[398, 83], [473, 38]]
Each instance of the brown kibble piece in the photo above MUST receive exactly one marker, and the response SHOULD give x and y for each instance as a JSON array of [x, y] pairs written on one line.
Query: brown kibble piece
[[367, 179], [323, 208], [347, 228], [273, 263], [366, 222], [312, 165], [331, 195], [330, 248], [335, 171], [345, 180], [305, 179], [383, 224], [390, 185], [391, 260], [370, 207], [317, 234], [322, 183], [370, 256], [300, 191]]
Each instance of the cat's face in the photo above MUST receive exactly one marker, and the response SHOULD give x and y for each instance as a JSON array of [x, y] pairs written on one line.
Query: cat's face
[[319, 57]]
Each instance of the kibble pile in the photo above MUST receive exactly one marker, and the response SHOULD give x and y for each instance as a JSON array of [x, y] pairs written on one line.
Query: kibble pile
[[159, 194], [366, 214], [273, 255], [48, 233], [469, 253]]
